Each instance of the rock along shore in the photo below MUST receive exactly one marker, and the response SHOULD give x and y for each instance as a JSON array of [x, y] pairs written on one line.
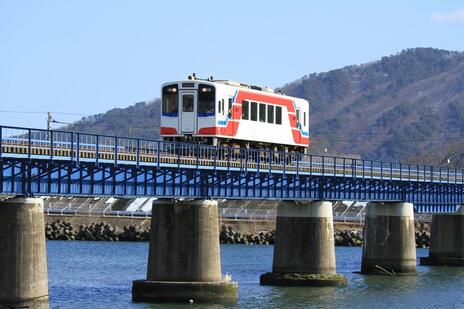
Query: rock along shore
[[104, 231]]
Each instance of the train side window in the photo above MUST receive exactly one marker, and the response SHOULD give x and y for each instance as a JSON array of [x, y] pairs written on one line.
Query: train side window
[[254, 111], [245, 110], [297, 116], [223, 110], [304, 119], [262, 112], [278, 114], [270, 113], [230, 108], [219, 106]]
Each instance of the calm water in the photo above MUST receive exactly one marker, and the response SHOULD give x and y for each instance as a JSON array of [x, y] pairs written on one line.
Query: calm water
[[99, 275]]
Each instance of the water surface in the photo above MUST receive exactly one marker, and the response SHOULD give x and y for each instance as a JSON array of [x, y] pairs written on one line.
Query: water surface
[[99, 275]]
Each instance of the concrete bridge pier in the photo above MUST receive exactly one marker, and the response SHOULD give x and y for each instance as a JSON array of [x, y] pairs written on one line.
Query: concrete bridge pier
[[447, 240], [23, 260], [184, 259], [304, 251], [389, 239]]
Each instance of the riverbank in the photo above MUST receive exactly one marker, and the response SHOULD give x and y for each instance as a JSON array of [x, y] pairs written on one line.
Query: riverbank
[[253, 232]]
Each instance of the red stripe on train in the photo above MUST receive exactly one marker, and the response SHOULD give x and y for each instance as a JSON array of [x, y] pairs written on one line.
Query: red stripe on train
[[299, 139], [260, 97], [209, 131], [168, 130], [265, 98], [232, 126], [227, 131]]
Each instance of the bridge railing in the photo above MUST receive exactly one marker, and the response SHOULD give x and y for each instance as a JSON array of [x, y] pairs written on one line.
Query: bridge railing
[[38, 143]]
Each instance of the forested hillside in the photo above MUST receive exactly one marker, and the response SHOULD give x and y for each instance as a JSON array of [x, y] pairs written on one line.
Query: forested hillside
[[409, 106], [403, 106], [140, 120]]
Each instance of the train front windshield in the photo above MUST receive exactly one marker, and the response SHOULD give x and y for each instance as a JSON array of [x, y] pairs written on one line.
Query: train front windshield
[[206, 100], [170, 100]]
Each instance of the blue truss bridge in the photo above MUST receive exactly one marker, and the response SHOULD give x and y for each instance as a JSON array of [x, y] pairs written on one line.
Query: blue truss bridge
[[42, 162]]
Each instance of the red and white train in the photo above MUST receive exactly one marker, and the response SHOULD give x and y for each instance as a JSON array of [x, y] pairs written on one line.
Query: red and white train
[[222, 112]]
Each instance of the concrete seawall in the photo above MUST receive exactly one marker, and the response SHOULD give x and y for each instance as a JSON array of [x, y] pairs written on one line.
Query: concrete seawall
[[100, 228]]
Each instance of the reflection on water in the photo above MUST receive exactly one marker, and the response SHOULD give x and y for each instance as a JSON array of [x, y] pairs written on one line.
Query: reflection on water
[[100, 274], [282, 296], [38, 303], [391, 282]]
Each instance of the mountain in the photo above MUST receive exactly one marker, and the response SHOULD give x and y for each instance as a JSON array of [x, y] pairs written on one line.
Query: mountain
[[404, 107], [141, 120]]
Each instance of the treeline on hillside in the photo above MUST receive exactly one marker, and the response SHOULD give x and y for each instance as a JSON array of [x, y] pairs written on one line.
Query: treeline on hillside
[[409, 106], [141, 120]]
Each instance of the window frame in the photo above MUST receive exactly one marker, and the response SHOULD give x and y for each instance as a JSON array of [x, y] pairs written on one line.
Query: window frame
[[261, 108], [270, 108], [247, 114], [192, 109], [175, 111], [229, 111], [255, 115], [206, 107], [278, 115]]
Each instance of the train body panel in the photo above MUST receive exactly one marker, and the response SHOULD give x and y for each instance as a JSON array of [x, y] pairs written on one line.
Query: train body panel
[[223, 112]]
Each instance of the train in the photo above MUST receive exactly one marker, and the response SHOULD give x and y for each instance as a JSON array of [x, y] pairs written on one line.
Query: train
[[232, 114]]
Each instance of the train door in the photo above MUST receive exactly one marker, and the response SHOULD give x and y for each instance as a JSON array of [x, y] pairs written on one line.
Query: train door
[[297, 137], [233, 110], [188, 111]]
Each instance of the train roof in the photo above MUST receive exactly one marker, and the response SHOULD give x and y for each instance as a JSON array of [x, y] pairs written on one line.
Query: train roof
[[243, 85], [234, 84]]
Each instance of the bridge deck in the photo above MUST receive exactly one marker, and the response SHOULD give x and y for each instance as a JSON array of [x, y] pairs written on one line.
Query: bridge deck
[[88, 159]]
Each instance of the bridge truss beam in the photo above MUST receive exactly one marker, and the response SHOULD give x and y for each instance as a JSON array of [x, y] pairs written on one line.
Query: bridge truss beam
[[31, 176]]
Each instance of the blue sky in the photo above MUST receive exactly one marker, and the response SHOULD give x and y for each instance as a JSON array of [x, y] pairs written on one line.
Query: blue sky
[[86, 57]]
